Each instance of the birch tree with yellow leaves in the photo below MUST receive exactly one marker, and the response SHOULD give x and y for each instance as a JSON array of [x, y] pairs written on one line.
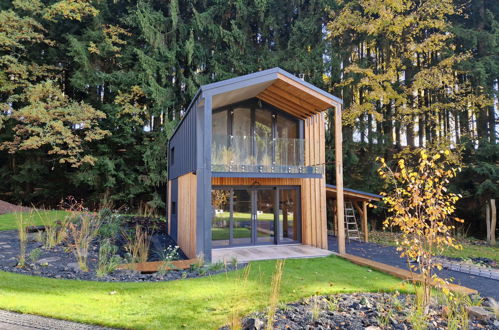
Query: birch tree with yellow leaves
[[422, 207]]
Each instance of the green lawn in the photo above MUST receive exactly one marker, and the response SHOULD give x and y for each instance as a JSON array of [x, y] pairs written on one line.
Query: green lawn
[[223, 233], [36, 218], [240, 216], [203, 303], [469, 250]]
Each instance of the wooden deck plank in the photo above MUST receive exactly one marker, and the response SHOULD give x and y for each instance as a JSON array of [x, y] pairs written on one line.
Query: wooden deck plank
[[400, 273]]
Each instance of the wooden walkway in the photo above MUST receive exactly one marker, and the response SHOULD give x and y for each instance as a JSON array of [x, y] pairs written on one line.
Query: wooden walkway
[[400, 273]]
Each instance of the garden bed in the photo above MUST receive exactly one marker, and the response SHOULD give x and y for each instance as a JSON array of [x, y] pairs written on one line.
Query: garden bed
[[364, 310], [109, 249]]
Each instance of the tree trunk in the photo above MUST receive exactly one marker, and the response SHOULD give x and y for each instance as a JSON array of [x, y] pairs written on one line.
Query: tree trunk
[[487, 221], [493, 222]]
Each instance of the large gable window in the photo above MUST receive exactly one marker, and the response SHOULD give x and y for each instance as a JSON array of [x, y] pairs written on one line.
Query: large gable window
[[253, 135]]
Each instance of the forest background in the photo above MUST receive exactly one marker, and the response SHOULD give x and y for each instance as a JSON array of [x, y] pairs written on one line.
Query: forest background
[[90, 91]]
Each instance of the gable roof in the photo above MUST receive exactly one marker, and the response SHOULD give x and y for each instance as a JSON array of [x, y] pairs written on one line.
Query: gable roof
[[276, 87]]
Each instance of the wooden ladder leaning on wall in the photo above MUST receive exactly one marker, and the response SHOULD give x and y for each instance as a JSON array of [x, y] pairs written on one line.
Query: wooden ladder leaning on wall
[[351, 225]]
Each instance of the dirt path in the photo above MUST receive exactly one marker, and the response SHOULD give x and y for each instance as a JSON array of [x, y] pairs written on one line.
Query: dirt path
[[6, 207]]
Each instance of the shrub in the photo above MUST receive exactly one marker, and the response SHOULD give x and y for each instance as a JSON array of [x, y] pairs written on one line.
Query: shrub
[[137, 244], [22, 223], [110, 224], [34, 255], [108, 258], [83, 233], [168, 256], [274, 292]]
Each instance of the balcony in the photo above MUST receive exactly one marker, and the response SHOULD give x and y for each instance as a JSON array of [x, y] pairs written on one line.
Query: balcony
[[254, 154]]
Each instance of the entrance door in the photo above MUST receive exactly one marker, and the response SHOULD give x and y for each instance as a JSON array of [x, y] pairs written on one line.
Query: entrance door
[[264, 216], [255, 216]]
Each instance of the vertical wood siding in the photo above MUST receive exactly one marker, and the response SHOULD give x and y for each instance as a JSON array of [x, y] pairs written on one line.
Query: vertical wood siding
[[314, 220], [186, 210]]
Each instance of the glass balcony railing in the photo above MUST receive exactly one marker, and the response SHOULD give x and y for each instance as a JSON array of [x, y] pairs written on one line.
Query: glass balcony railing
[[259, 155]]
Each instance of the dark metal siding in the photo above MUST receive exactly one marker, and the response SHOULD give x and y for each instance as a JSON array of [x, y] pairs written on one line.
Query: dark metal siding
[[184, 144]]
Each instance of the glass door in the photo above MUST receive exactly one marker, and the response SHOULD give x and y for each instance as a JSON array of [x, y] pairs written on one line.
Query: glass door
[[264, 216], [242, 217], [254, 216], [288, 216]]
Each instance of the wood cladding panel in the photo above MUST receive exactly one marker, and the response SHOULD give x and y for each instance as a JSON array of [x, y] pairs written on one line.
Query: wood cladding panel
[[314, 220], [186, 211], [216, 181]]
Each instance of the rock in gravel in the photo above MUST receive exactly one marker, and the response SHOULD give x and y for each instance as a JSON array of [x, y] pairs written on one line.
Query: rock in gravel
[[365, 302], [48, 260], [496, 323], [253, 324], [372, 327], [479, 313], [73, 266]]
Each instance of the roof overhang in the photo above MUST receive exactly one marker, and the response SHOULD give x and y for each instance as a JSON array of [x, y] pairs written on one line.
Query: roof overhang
[[276, 87], [352, 194]]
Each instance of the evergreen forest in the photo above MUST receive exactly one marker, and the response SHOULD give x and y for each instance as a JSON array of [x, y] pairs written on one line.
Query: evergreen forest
[[90, 91]]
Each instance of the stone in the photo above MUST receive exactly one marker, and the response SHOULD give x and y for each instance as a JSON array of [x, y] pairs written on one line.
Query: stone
[[496, 323], [73, 266], [48, 260], [364, 301], [355, 305], [372, 327], [253, 324], [479, 313]]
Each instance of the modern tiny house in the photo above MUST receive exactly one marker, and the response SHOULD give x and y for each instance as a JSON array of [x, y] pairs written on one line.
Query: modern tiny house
[[246, 165]]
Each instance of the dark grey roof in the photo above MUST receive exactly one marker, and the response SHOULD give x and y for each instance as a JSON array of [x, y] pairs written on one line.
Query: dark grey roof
[[355, 191], [261, 76]]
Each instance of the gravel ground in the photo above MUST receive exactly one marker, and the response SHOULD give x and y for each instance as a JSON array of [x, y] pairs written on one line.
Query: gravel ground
[[357, 311], [16, 321], [390, 256], [60, 262]]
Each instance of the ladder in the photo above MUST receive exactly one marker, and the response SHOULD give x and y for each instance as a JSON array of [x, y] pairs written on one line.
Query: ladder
[[351, 226]]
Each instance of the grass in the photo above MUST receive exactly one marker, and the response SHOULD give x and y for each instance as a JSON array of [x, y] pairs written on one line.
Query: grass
[[8, 221], [202, 303], [469, 250]]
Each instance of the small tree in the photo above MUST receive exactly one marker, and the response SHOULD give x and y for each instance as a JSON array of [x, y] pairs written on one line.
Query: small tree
[[421, 208]]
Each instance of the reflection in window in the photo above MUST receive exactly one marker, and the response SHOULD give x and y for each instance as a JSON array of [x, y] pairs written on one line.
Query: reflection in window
[[263, 136]]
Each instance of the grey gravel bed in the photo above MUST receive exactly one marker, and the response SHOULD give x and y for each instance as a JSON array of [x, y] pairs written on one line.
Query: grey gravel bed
[[60, 263], [358, 311], [16, 321]]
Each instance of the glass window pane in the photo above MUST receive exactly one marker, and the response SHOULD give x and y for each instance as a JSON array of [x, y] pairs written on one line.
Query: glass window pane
[[241, 137], [220, 226], [219, 123], [263, 136], [287, 146], [242, 217], [220, 152], [265, 203], [288, 215], [286, 127]]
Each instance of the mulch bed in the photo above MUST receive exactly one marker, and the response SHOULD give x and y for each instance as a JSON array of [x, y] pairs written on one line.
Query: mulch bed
[[355, 311], [6, 207], [60, 261]]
